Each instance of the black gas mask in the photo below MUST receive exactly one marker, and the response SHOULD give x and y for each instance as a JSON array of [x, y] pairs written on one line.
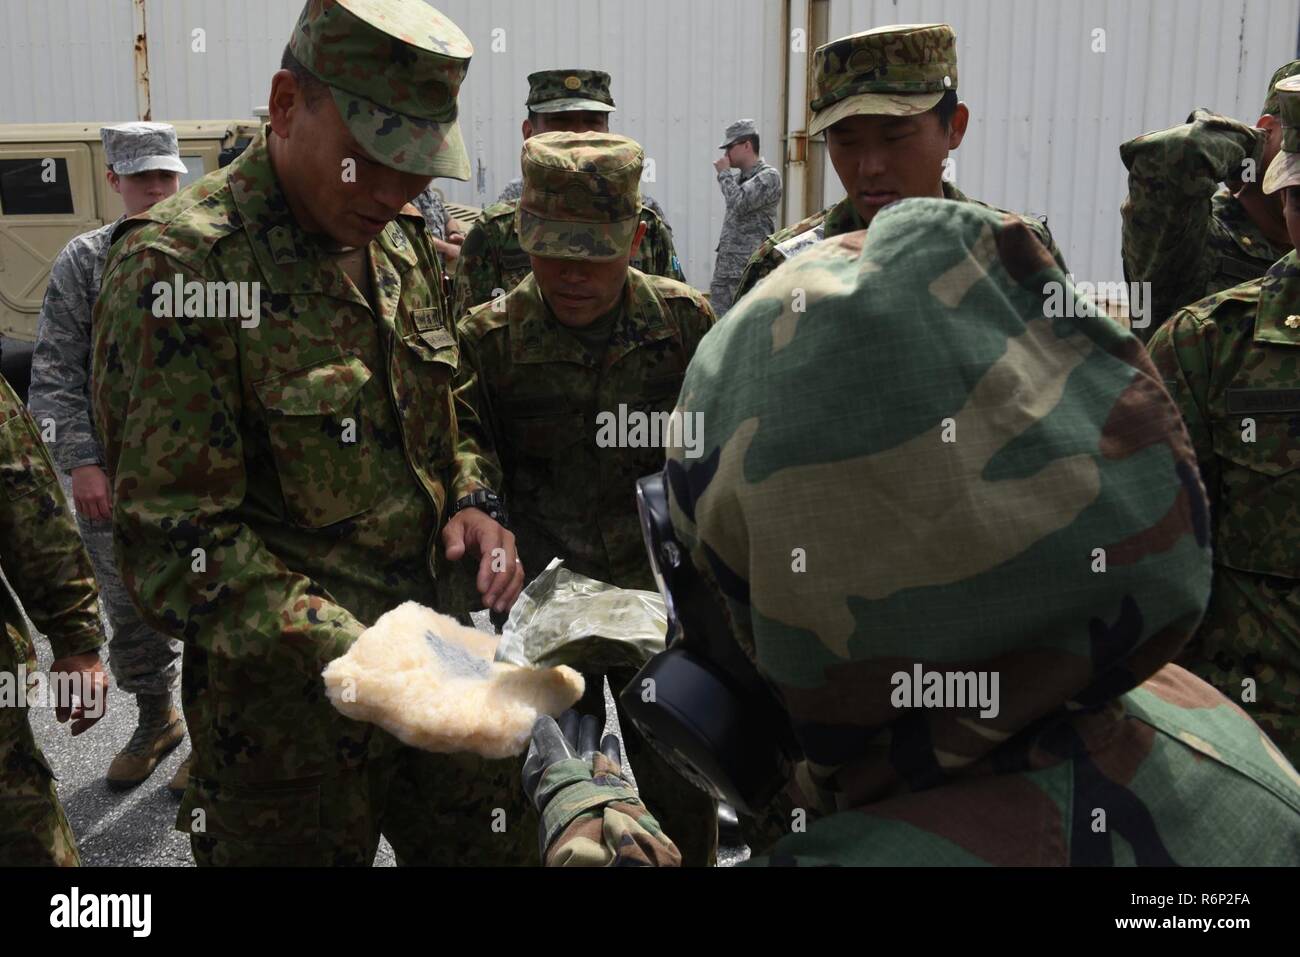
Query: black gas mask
[[701, 703]]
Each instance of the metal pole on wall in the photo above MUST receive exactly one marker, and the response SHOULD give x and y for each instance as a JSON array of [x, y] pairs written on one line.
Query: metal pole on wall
[[143, 106]]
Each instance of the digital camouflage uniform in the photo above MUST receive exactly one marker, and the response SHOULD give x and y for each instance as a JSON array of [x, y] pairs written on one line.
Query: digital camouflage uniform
[[491, 260], [976, 553], [1183, 232], [143, 661], [1232, 362], [539, 390], [893, 70], [753, 204], [45, 564], [310, 458], [434, 211]]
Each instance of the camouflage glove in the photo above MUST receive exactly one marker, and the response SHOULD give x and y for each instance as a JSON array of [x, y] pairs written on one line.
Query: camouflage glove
[[567, 774]]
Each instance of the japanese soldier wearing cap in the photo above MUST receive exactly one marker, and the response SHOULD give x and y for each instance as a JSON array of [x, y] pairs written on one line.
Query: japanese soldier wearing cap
[[583, 341], [751, 189], [284, 474], [144, 166], [492, 262], [1184, 233], [1232, 362], [887, 101]]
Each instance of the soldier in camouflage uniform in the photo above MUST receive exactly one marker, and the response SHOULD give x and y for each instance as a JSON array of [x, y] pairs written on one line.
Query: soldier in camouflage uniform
[[1232, 362], [284, 476], [1064, 451], [492, 261], [751, 189], [887, 100], [583, 339], [47, 567], [144, 166], [1184, 233]]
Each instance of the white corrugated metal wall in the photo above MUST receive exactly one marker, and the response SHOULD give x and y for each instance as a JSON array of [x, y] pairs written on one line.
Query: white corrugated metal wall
[[682, 70], [1047, 113]]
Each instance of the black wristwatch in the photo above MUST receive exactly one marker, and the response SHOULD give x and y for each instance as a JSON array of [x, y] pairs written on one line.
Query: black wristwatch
[[486, 502]]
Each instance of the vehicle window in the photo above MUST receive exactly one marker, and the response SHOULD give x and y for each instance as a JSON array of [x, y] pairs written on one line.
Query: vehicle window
[[35, 186], [193, 170]]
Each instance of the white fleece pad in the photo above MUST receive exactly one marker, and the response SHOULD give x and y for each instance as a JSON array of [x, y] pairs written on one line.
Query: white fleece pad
[[431, 683]]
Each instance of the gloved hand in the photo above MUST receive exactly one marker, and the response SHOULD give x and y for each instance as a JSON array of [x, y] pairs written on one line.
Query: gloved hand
[[574, 737], [566, 775]]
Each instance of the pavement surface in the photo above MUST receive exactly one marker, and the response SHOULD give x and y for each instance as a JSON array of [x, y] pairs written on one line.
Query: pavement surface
[[136, 827]]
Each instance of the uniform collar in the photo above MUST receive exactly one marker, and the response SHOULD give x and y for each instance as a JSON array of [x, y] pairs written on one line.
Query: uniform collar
[[293, 261], [1277, 320], [536, 335], [1249, 238]]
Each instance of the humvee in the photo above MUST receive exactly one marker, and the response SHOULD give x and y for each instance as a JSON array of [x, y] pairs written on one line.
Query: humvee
[[52, 187]]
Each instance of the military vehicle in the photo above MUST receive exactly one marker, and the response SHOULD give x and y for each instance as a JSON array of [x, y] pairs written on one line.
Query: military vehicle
[[52, 187]]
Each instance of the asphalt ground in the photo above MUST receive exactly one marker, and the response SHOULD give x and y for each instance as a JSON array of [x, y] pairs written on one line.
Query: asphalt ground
[[136, 827]]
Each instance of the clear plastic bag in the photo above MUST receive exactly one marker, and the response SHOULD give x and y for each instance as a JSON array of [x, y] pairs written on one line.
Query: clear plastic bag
[[563, 618]]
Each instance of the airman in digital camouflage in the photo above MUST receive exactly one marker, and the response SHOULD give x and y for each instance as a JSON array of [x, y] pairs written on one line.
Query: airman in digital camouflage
[[751, 189], [1006, 542], [1232, 362], [1185, 233], [583, 350], [887, 101], [274, 375], [492, 261], [144, 167], [44, 562]]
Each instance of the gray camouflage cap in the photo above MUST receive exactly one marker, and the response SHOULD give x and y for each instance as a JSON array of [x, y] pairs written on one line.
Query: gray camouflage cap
[[139, 147], [737, 131]]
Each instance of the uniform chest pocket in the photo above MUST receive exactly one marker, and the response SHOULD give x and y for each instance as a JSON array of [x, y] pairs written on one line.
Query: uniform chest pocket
[[1258, 500], [543, 426], [318, 435]]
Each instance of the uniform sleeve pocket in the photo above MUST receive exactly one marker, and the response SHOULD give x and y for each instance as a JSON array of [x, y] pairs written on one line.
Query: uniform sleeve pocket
[[24, 463], [319, 436]]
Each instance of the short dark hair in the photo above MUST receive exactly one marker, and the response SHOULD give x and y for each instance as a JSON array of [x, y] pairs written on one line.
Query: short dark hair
[[313, 88], [751, 140], [945, 108], [532, 117]]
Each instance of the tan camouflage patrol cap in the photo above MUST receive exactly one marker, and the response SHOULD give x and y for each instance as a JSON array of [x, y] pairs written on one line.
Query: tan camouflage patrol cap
[[582, 196], [395, 68], [899, 70], [564, 91], [1271, 104], [138, 147], [1284, 171]]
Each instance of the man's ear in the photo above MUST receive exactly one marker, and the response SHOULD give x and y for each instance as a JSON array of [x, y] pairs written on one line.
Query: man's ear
[[527, 129], [636, 241], [957, 126], [284, 102], [114, 181]]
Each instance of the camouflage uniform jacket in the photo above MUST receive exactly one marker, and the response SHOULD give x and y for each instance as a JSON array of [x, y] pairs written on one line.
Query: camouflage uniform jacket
[[434, 211], [60, 388], [1183, 233], [1096, 751], [41, 552], [1232, 362], [515, 189], [276, 487], [539, 392], [753, 204], [840, 219], [492, 258]]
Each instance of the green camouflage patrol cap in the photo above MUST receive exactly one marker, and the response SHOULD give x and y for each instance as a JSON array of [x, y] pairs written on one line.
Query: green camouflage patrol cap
[[395, 69], [582, 196], [889, 71], [1271, 105], [563, 91], [1284, 171]]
